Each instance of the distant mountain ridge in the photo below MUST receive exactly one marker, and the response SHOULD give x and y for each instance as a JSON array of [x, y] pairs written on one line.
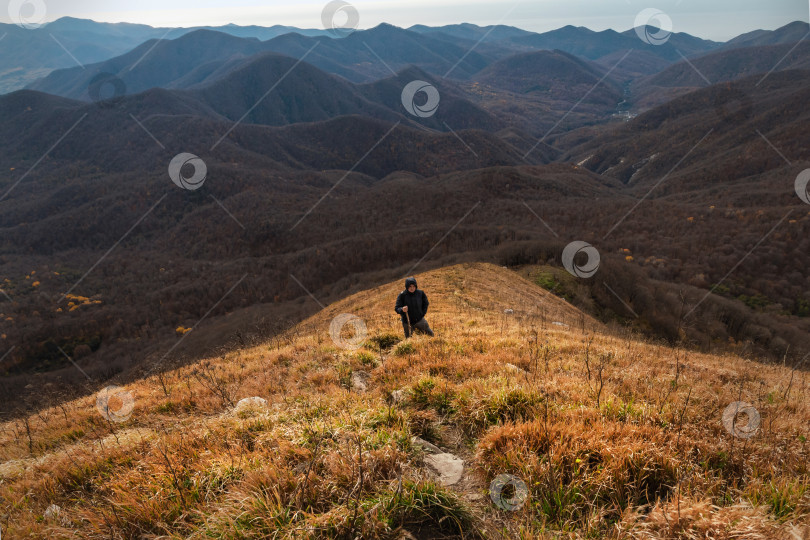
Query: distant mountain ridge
[[719, 66], [200, 56], [29, 55]]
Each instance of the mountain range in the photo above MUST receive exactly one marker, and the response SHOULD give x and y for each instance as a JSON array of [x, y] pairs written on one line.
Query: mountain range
[[62, 44], [321, 181]]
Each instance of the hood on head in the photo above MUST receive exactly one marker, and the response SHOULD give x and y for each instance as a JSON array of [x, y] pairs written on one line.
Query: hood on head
[[410, 281]]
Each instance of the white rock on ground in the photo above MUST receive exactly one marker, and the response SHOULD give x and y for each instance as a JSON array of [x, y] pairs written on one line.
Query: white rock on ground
[[250, 403], [398, 396], [52, 512], [513, 367], [360, 380], [449, 467], [428, 447]]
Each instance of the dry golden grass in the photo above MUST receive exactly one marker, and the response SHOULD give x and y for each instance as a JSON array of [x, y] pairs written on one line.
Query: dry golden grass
[[613, 436]]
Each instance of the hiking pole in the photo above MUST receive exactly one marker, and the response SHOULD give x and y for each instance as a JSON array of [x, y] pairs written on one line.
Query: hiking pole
[[410, 328]]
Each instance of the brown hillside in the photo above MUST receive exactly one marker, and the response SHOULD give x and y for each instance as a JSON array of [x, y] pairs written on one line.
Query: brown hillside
[[613, 437]]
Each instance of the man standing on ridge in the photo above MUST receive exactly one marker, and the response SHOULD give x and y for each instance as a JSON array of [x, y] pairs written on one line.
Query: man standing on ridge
[[412, 305]]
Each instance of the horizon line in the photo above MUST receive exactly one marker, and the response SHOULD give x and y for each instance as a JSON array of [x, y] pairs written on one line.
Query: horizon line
[[231, 24]]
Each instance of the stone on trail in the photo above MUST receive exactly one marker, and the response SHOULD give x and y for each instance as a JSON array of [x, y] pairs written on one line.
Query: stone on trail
[[360, 381], [428, 447], [250, 403], [449, 467], [53, 512]]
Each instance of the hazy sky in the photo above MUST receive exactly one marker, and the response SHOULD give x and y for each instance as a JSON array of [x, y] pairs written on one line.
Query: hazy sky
[[712, 19]]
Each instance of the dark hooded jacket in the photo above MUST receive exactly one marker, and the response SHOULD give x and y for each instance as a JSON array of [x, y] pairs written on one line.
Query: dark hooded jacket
[[416, 301]]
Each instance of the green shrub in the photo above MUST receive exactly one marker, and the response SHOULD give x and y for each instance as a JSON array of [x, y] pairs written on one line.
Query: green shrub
[[475, 414], [427, 394], [383, 341], [366, 358], [425, 504], [404, 348]]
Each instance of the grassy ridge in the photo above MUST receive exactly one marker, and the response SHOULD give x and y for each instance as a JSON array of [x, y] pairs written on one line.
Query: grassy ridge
[[612, 436]]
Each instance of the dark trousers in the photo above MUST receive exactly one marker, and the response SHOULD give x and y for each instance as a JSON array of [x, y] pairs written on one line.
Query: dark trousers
[[420, 326]]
